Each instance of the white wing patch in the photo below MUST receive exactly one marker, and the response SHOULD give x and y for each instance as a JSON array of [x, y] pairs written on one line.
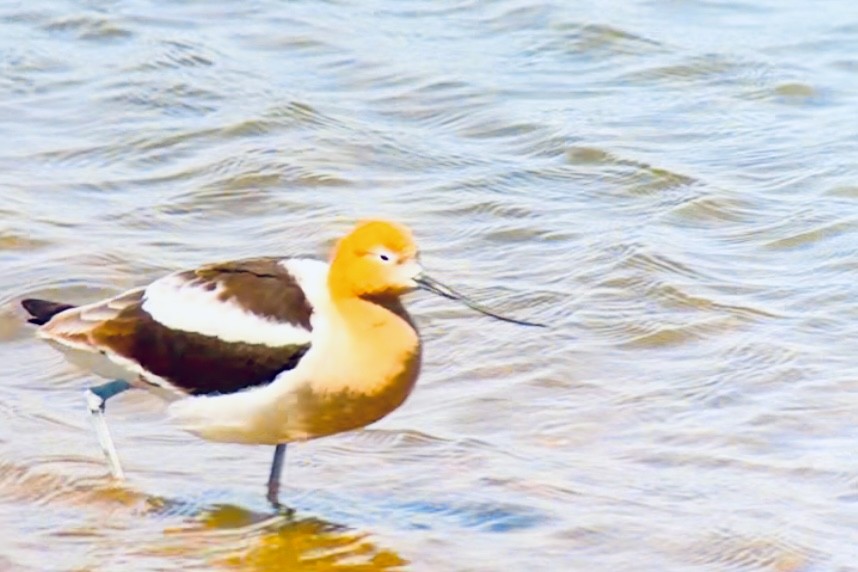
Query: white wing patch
[[259, 414], [312, 276], [181, 305]]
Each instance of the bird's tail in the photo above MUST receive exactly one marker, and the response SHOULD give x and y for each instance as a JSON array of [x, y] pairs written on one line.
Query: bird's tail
[[43, 310]]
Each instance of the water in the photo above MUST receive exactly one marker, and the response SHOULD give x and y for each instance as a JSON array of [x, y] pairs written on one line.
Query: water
[[671, 185]]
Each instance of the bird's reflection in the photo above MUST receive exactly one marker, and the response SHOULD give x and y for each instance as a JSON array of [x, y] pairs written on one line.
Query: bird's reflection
[[268, 540], [215, 530]]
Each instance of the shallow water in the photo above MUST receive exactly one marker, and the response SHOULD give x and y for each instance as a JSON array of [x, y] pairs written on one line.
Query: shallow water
[[672, 185]]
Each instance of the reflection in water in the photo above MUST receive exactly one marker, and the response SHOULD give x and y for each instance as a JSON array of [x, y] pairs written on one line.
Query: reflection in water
[[221, 535], [252, 541]]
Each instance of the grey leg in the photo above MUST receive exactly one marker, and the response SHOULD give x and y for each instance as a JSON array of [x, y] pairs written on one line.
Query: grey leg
[[96, 397], [274, 476]]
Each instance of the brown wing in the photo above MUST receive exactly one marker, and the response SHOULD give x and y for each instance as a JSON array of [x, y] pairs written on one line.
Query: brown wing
[[193, 362], [122, 329], [260, 285]]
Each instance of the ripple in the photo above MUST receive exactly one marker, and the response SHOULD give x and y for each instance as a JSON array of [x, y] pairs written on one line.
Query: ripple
[[792, 93], [709, 69], [641, 179], [177, 55], [764, 552], [602, 40], [715, 209], [661, 336], [808, 237], [90, 27], [13, 241], [590, 156], [24, 484]]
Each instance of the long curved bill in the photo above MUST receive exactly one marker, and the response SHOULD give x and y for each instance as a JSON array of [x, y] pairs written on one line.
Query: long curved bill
[[432, 285]]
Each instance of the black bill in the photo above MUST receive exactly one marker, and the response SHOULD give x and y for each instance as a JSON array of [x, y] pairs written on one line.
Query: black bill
[[436, 287]]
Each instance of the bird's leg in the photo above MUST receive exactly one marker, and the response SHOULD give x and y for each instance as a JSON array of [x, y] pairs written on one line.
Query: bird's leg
[[96, 397], [274, 476]]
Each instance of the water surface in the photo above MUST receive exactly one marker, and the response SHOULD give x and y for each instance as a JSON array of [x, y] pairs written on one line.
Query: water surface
[[671, 184]]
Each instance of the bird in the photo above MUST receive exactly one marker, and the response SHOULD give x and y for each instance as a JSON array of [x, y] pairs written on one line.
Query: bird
[[259, 351]]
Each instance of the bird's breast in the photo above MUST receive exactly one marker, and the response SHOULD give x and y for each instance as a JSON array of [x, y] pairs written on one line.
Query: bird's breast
[[328, 410], [358, 379]]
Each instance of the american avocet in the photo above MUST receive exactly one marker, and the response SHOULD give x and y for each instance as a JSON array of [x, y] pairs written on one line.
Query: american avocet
[[262, 350]]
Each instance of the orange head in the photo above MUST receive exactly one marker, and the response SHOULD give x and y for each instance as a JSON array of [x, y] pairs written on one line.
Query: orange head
[[377, 258]]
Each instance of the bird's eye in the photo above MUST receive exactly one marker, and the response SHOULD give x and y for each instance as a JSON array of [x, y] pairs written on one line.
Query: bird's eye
[[384, 257]]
